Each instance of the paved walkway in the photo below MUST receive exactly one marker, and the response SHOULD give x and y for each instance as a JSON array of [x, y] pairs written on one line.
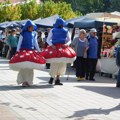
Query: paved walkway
[[99, 100]]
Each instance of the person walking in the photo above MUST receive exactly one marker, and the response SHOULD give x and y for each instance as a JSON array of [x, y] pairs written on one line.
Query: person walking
[[81, 45], [27, 58], [58, 53], [92, 54]]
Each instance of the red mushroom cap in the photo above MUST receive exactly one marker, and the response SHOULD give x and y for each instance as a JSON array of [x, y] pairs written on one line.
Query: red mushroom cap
[[27, 59], [60, 54]]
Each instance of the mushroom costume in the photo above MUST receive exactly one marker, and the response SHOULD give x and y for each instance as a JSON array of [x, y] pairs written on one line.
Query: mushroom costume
[[59, 55], [27, 58], [60, 38], [30, 59]]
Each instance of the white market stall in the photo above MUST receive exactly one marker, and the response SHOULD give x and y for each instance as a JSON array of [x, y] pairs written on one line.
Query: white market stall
[[108, 65]]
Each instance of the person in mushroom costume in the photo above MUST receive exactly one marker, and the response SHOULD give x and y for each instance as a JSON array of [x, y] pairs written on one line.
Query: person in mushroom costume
[[58, 53], [27, 58]]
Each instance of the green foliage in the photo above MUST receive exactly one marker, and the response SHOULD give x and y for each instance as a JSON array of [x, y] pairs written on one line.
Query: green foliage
[[65, 8], [10, 13], [61, 8], [115, 5], [32, 10], [50, 8], [87, 6], [29, 10]]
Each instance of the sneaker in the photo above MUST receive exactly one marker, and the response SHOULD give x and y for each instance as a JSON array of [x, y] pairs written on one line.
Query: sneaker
[[51, 80], [80, 78], [57, 82], [25, 84]]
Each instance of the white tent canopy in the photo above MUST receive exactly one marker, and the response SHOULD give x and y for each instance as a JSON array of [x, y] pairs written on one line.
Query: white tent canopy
[[105, 17], [116, 13]]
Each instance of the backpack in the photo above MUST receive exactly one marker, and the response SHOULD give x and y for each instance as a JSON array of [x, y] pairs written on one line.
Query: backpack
[[118, 56]]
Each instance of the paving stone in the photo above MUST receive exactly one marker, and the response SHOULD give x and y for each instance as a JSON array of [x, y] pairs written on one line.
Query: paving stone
[[99, 100]]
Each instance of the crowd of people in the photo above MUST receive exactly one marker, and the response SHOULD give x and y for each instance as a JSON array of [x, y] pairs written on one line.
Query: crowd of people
[[28, 50], [9, 41]]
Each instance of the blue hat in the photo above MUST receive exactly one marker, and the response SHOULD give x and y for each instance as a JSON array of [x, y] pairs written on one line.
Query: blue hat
[[29, 23], [59, 22]]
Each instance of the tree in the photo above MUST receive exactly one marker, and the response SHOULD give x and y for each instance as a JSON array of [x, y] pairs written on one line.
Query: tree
[[9, 13], [65, 10], [87, 6], [29, 10], [12, 13], [2, 13], [61, 8], [32, 10], [114, 5], [49, 8]]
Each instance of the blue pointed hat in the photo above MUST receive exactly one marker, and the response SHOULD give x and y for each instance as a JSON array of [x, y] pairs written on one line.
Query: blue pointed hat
[[59, 22], [29, 23]]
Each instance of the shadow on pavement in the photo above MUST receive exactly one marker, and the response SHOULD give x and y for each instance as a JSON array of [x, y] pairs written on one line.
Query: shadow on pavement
[[72, 79], [63, 79], [12, 87], [86, 112], [104, 90]]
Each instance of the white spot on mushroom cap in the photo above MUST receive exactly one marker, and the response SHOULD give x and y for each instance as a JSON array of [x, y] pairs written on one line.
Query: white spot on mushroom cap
[[27, 54], [35, 58], [60, 49], [46, 49], [68, 52], [31, 51], [50, 52], [21, 56], [24, 50], [16, 55], [73, 52]]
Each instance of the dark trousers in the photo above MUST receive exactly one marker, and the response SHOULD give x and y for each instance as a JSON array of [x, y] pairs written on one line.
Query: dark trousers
[[80, 67], [13, 51], [118, 77], [91, 69], [1, 47], [47, 65]]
